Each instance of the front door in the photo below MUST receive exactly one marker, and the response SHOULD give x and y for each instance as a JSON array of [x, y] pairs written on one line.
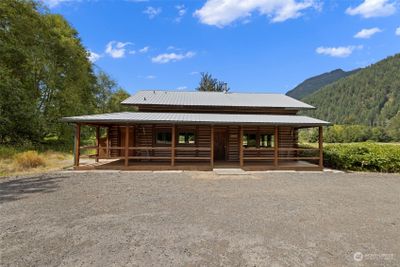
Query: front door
[[220, 145]]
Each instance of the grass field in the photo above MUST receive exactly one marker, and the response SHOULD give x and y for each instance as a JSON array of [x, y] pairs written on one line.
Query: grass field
[[15, 161]]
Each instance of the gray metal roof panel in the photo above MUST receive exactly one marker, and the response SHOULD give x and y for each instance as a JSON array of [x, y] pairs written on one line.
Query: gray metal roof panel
[[197, 118], [196, 98]]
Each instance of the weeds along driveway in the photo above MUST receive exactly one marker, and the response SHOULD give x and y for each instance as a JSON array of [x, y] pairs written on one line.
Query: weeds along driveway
[[199, 218]]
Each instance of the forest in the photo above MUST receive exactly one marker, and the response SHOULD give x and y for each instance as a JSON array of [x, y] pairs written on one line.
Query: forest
[[363, 106], [46, 74]]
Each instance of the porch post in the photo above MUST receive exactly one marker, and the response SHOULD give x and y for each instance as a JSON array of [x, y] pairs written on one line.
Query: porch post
[[212, 146], [126, 145], [97, 143], [241, 147], [320, 146], [276, 148], [173, 144], [77, 144]]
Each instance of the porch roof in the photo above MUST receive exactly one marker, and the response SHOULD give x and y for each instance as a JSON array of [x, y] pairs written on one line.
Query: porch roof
[[196, 118]]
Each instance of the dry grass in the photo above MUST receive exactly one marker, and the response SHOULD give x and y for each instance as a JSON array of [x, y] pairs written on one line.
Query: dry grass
[[33, 162], [29, 159]]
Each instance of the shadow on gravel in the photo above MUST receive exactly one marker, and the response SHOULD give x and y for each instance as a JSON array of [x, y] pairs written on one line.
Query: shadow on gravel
[[21, 188]]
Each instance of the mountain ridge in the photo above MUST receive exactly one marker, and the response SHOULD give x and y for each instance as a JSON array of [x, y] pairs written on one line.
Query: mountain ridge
[[315, 83]]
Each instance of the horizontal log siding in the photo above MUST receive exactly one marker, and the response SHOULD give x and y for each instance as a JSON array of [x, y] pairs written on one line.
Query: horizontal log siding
[[287, 139], [115, 141], [203, 140], [233, 143], [144, 136]]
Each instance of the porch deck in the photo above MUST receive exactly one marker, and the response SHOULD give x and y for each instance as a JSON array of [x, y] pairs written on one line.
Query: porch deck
[[119, 164]]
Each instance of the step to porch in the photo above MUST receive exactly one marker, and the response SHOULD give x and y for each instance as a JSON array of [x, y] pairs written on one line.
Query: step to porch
[[229, 171]]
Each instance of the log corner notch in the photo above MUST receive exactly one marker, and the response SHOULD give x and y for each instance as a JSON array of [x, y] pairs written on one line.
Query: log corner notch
[[77, 141], [320, 147]]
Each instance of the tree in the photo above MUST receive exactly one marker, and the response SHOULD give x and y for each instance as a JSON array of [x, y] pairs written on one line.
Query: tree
[[210, 84], [114, 103], [105, 89], [109, 95], [45, 73]]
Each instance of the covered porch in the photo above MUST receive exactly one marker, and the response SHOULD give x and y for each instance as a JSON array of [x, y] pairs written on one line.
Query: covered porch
[[196, 147]]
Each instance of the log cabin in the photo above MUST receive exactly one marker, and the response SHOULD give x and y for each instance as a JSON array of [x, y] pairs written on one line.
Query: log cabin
[[176, 130]]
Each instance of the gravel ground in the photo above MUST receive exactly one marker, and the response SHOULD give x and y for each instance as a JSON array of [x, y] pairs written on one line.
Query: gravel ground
[[200, 218]]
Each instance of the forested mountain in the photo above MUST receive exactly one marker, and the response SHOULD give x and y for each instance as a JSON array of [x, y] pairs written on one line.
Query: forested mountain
[[315, 83], [369, 97]]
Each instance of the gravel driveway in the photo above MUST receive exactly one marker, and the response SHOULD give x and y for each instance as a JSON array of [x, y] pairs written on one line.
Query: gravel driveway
[[200, 218]]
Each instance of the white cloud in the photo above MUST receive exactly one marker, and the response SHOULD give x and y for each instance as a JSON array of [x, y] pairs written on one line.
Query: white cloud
[[171, 57], [150, 77], [373, 8], [181, 88], [340, 51], [144, 49], [367, 33], [223, 12], [93, 57], [54, 3], [397, 31], [132, 52], [116, 49], [181, 12], [194, 73], [152, 12]]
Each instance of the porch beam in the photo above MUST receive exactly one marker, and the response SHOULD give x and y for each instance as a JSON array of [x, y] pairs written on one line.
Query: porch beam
[[276, 146], [320, 147], [97, 143], [77, 144], [212, 146], [241, 147], [173, 144], [126, 145]]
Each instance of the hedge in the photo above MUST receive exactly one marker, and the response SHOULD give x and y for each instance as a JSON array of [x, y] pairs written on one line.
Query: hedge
[[376, 157]]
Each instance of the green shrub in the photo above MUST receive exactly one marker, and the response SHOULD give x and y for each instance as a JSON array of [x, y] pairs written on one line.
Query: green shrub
[[29, 159], [7, 152], [363, 157]]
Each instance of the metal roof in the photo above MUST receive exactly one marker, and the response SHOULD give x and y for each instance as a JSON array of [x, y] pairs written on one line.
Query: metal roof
[[179, 98], [197, 118]]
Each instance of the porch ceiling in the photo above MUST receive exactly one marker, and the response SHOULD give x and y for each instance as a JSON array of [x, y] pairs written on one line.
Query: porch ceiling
[[196, 118]]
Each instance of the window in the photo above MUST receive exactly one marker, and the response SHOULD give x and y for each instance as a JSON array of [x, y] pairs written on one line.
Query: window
[[163, 138], [186, 138], [266, 140], [249, 140]]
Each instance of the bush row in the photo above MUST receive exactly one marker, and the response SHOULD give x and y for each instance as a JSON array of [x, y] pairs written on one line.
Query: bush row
[[363, 157]]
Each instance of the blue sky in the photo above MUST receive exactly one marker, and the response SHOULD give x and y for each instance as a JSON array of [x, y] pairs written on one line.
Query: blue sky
[[254, 46]]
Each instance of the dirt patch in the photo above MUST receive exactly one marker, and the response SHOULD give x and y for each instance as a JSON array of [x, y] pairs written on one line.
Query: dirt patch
[[199, 218]]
